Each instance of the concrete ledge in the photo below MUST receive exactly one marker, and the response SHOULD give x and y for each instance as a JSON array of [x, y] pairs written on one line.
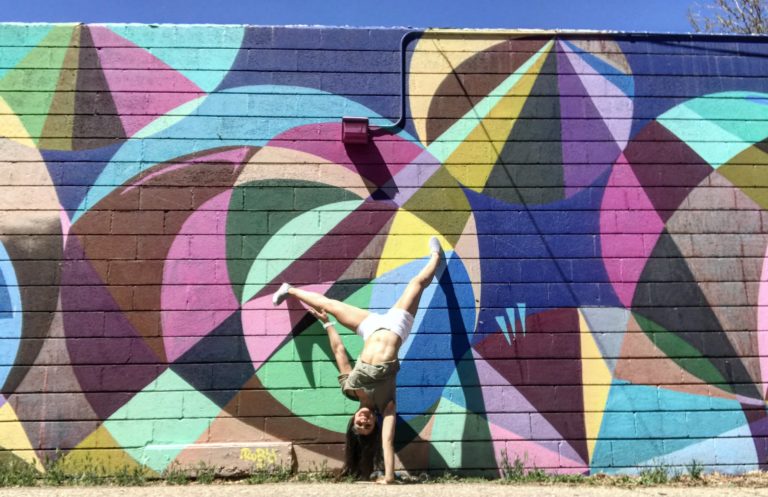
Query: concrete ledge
[[234, 459]]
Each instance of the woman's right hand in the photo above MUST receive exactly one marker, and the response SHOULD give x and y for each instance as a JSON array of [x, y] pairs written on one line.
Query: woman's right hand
[[321, 316]]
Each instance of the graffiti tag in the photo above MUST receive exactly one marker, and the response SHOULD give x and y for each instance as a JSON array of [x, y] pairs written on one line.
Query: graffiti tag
[[261, 457]]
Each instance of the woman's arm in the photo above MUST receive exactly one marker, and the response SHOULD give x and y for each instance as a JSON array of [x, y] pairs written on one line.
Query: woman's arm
[[388, 442], [337, 346]]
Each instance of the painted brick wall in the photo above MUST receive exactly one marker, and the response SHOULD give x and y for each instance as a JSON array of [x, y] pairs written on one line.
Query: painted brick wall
[[601, 199]]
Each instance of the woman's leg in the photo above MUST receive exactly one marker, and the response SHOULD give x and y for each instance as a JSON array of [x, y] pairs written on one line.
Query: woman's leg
[[409, 300], [348, 315]]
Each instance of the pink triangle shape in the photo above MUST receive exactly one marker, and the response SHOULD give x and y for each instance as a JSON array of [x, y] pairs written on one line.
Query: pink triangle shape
[[629, 230], [196, 289], [762, 324], [143, 87]]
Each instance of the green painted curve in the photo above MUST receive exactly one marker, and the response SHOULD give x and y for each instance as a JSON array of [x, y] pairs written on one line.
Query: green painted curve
[[720, 125], [311, 390], [291, 241], [683, 354], [167, 120]]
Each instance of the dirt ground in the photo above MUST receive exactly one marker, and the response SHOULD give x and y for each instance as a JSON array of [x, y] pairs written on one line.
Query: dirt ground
[[372, 490]]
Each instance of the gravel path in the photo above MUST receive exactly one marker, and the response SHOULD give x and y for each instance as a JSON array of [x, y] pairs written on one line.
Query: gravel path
[[371, 490]]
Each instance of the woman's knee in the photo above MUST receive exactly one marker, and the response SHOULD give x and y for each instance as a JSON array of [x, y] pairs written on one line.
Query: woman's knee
[[332, 306], [421, 282]]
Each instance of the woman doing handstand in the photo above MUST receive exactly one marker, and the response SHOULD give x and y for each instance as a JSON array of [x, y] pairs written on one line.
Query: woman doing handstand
[[372, 379]]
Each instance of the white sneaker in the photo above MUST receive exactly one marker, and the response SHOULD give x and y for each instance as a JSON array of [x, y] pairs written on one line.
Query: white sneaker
[[281, 294], [434, 246]]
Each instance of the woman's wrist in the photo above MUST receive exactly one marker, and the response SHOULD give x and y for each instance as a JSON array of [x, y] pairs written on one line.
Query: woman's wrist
[[328, 324]]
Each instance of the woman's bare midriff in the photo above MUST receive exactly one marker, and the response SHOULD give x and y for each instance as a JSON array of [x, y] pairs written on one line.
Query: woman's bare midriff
[[382, 346]]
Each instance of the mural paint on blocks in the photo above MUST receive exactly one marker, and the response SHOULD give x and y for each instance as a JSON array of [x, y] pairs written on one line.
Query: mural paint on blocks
[[600, 202]]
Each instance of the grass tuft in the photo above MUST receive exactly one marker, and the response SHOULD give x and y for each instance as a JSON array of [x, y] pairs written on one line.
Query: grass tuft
[[274, 474], [695, 470], [654, 475], [175, 475]]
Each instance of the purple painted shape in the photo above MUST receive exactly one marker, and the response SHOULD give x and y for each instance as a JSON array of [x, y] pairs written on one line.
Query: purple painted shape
[[378, 161], [757, 417], [143, 87], [266, 328], [410, 179], [196, 293], [133, 365], [3, 400], [591, 149], [613, 105], [629, 230], [505, 426]]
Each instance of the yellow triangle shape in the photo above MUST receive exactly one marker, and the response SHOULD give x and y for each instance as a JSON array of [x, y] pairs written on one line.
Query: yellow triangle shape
[[596, 381], [431, 64], [472, 161], [99, 451], [442, 204], [408, 239], [59, 126], [34, 111], [15, 439], [11, 126]]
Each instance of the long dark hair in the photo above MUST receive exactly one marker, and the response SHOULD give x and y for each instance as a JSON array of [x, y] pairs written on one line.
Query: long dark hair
[[362, 454]]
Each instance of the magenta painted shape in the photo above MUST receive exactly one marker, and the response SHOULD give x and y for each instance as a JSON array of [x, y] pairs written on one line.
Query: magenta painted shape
[[629, 230], [266, 327], [66, 225], [143, 87], [2, 400], [762, 324], [197, 295], [378, 161]]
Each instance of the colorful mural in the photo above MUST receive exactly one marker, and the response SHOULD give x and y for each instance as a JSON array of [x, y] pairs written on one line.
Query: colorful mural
[[601, 199]]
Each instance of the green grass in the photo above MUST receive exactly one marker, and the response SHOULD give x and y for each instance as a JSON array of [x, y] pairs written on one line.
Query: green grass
[[135, 476], [654, 475], [274, 474], [695, 470], [17, 473], [14, 472], [176, 475], [205, 474]]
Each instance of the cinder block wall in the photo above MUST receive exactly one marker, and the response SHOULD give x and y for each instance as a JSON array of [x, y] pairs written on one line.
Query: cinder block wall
[[601, 200]]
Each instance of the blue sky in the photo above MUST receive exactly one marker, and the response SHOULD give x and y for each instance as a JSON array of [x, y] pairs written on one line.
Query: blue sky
[[621, 15]]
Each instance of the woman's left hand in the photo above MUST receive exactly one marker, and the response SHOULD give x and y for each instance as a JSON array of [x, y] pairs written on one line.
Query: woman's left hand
[[322, 316]]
